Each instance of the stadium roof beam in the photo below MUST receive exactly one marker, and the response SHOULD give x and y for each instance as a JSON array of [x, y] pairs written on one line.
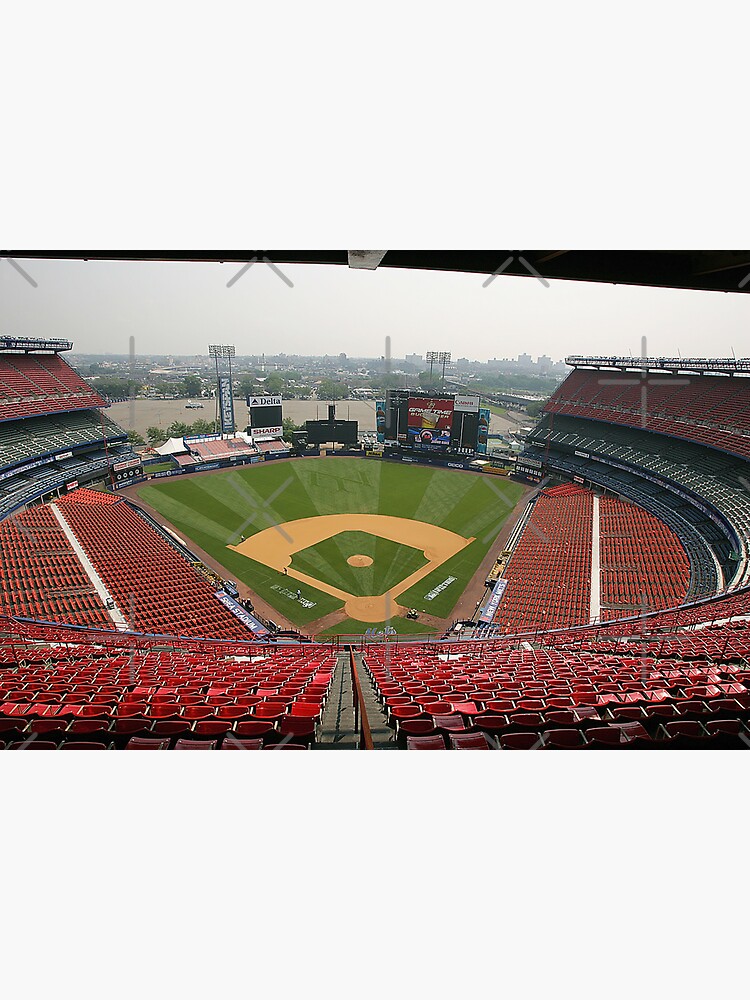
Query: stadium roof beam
[[707, 270], [28, 344], [706, 366], [716, 261]]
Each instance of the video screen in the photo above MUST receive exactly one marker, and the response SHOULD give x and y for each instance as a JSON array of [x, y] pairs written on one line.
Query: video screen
[[430, 422]]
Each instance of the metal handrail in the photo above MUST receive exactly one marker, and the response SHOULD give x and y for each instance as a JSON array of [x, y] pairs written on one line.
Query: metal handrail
[[361, 722]]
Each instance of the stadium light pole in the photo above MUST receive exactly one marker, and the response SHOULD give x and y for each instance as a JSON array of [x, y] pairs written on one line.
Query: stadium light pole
[[444, 358], [432, 357]]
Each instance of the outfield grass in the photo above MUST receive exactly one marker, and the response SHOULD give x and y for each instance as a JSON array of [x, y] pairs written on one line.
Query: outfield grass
[[403, 626], [149, 470], [214, 509]]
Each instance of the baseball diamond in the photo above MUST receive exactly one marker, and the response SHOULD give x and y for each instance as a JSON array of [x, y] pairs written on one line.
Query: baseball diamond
[[304, 520]]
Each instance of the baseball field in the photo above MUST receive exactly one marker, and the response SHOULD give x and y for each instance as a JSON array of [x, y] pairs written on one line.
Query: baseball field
[[362, 538]]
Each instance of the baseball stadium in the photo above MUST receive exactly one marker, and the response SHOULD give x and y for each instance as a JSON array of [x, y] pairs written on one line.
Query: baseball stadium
[[240, 591]]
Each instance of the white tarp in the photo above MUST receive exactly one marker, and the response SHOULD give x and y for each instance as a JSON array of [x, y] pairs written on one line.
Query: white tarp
[[175, 446]]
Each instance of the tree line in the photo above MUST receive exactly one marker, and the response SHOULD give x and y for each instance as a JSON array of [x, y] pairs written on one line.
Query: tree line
[[156, 436]]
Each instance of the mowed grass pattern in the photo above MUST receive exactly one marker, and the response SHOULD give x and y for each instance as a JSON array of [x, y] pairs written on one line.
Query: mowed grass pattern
[[401, 626], [391, 562], [214, 509]]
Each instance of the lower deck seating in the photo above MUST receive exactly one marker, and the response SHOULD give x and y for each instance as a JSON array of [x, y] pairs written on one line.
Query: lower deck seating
[[40, 575], [643, 564], [154, 587], [691, 484], [549, 574]]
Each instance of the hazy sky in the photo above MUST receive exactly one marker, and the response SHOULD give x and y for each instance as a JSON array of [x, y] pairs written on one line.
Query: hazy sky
[[177, 308]]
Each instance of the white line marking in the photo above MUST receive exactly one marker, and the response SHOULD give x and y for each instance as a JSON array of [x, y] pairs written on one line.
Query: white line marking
[[114, 613], [596, 600]]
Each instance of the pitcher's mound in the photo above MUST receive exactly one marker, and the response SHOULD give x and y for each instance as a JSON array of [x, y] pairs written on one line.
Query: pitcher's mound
[[359, 561]]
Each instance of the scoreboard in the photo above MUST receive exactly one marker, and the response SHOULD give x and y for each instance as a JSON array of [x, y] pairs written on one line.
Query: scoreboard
[[334, 431], [265, 414], [127, 472], [432, 422]]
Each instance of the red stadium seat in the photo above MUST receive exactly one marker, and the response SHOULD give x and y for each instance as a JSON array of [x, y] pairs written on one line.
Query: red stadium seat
[[33, 745], [84, 745], [140, 743], [468, 741], [425, 742], [231, 743]]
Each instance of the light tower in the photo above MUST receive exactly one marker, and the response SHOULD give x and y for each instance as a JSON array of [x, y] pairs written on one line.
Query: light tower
[[432, 357], [444, 358]]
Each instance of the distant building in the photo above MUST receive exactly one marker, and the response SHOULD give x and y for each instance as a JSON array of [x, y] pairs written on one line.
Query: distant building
[[413, 359]]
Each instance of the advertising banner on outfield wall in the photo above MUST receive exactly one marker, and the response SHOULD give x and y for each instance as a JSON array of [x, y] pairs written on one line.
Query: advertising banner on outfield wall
[[490, 608], [167, 473], [380, 420], [483, 431], [197, 438], [248, 620], [466, 404], [122, 483], [264, 433], [131, 463], [226, 405]]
